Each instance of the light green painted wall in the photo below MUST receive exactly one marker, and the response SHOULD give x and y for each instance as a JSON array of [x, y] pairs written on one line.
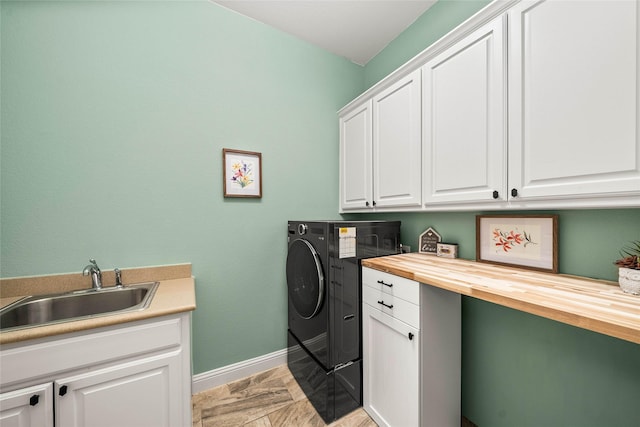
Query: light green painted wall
[[519, 369], [437, 21], [114, 118]]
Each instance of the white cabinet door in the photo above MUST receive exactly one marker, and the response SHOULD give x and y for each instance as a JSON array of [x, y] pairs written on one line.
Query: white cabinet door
[[141, 393], [355, 158], [464, 120], [391, 367], [397, 149], [27, 407], [574, 99]]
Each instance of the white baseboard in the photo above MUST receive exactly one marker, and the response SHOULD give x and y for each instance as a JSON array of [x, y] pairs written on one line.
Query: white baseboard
[[226, 374]]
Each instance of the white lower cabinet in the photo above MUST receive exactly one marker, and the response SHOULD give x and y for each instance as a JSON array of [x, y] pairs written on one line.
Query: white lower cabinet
[[391, 384], [141, 391], [136, 375], [411, 364], [27, 407]]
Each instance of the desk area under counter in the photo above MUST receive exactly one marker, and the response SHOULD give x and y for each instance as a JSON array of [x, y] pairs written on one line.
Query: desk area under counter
[[597, 305], [435, 348]]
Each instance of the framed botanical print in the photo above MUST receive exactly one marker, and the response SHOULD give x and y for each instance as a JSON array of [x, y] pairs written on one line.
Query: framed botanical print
[[528, 241], [242, 173]]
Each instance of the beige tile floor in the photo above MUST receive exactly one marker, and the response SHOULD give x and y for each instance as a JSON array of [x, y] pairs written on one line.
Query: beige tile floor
[[268, 399]]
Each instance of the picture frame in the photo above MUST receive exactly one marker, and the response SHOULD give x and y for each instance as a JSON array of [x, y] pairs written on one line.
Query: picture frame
[[526, 241], [241, 173]]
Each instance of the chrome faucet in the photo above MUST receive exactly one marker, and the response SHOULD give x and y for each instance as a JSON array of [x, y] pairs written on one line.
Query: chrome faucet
[[96, 275], [118, 274]]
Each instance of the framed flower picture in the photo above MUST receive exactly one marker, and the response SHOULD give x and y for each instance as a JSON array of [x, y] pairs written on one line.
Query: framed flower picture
[[242, 173], [528, 241]]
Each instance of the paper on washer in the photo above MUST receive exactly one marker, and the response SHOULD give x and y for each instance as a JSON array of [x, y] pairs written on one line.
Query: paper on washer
[[347, 242]]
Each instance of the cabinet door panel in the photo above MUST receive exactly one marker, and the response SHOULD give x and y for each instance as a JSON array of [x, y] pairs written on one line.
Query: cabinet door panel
[[27, 407], [397, 144], [140, 393], [464, 118], [391, 387], [574, 99], [355, 159]]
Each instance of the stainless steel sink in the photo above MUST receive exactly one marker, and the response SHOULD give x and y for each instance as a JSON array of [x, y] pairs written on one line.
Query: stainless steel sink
[[42, 310]]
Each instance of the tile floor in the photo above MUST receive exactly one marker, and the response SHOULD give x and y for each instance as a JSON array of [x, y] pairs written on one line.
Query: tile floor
[[268, 399]]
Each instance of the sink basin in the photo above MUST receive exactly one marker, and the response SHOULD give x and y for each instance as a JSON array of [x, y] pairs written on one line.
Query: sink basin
[[42, 310]]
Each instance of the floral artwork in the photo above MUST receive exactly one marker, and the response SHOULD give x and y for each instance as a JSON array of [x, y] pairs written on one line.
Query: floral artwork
[[507, 240], [528, 241], [242, 173]]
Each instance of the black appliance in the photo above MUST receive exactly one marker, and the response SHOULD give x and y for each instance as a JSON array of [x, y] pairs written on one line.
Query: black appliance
[[324, 292]]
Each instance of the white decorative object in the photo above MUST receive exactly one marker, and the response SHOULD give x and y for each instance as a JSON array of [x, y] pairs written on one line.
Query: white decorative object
[[629, 280], [447, 250]]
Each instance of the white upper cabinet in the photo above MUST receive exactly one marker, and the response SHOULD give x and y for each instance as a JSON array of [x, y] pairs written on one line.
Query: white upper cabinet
[[527, 104], [464, 119], [356, 190], [397, 144], [380, 149], [574, 102]]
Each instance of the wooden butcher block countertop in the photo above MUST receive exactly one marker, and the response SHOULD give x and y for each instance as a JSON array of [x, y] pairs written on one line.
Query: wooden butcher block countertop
[[596, 305]]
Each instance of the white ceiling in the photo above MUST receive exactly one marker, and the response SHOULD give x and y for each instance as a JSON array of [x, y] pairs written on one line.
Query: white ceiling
[[355, 29]]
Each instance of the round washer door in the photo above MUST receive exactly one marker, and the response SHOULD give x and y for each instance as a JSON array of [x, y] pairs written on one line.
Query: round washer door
[[305, 279]]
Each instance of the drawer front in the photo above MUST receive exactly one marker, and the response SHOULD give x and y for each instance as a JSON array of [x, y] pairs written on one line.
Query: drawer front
[[406, 289], [398, 308]]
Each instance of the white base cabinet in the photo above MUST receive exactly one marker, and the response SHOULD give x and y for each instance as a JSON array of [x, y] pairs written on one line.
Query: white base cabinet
[[27, 407], [136, 374], [411, 352], [391, 381]]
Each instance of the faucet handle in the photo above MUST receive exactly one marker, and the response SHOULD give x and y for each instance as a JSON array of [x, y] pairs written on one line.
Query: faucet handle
[[93, 261], [118, 277]]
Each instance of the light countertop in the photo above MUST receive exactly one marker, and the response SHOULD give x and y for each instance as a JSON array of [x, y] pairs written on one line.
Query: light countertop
[[175, 294], [596, 305]]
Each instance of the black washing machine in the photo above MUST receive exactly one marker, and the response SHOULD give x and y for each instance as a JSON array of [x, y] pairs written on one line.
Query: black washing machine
[[324, 291]]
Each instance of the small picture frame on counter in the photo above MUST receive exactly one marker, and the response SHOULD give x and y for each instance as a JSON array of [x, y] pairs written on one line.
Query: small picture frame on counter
[[447, 250], [526, 241]]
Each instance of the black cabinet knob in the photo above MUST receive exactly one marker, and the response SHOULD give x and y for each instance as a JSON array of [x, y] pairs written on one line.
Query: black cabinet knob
[[366, 204], [496, 195], [410, 336], [374, 203], [63, 390], [514, 192], [34, 400]]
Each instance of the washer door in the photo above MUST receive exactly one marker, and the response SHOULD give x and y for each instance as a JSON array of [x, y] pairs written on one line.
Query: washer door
[[304, 278]]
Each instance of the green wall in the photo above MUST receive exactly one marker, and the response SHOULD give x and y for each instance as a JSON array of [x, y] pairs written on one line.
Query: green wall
[[114, 116], [437, 21], [519, 369]]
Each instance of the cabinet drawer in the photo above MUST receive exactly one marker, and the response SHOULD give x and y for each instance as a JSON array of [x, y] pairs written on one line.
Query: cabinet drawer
[[399, 287], [398, 308], [90, 348]]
